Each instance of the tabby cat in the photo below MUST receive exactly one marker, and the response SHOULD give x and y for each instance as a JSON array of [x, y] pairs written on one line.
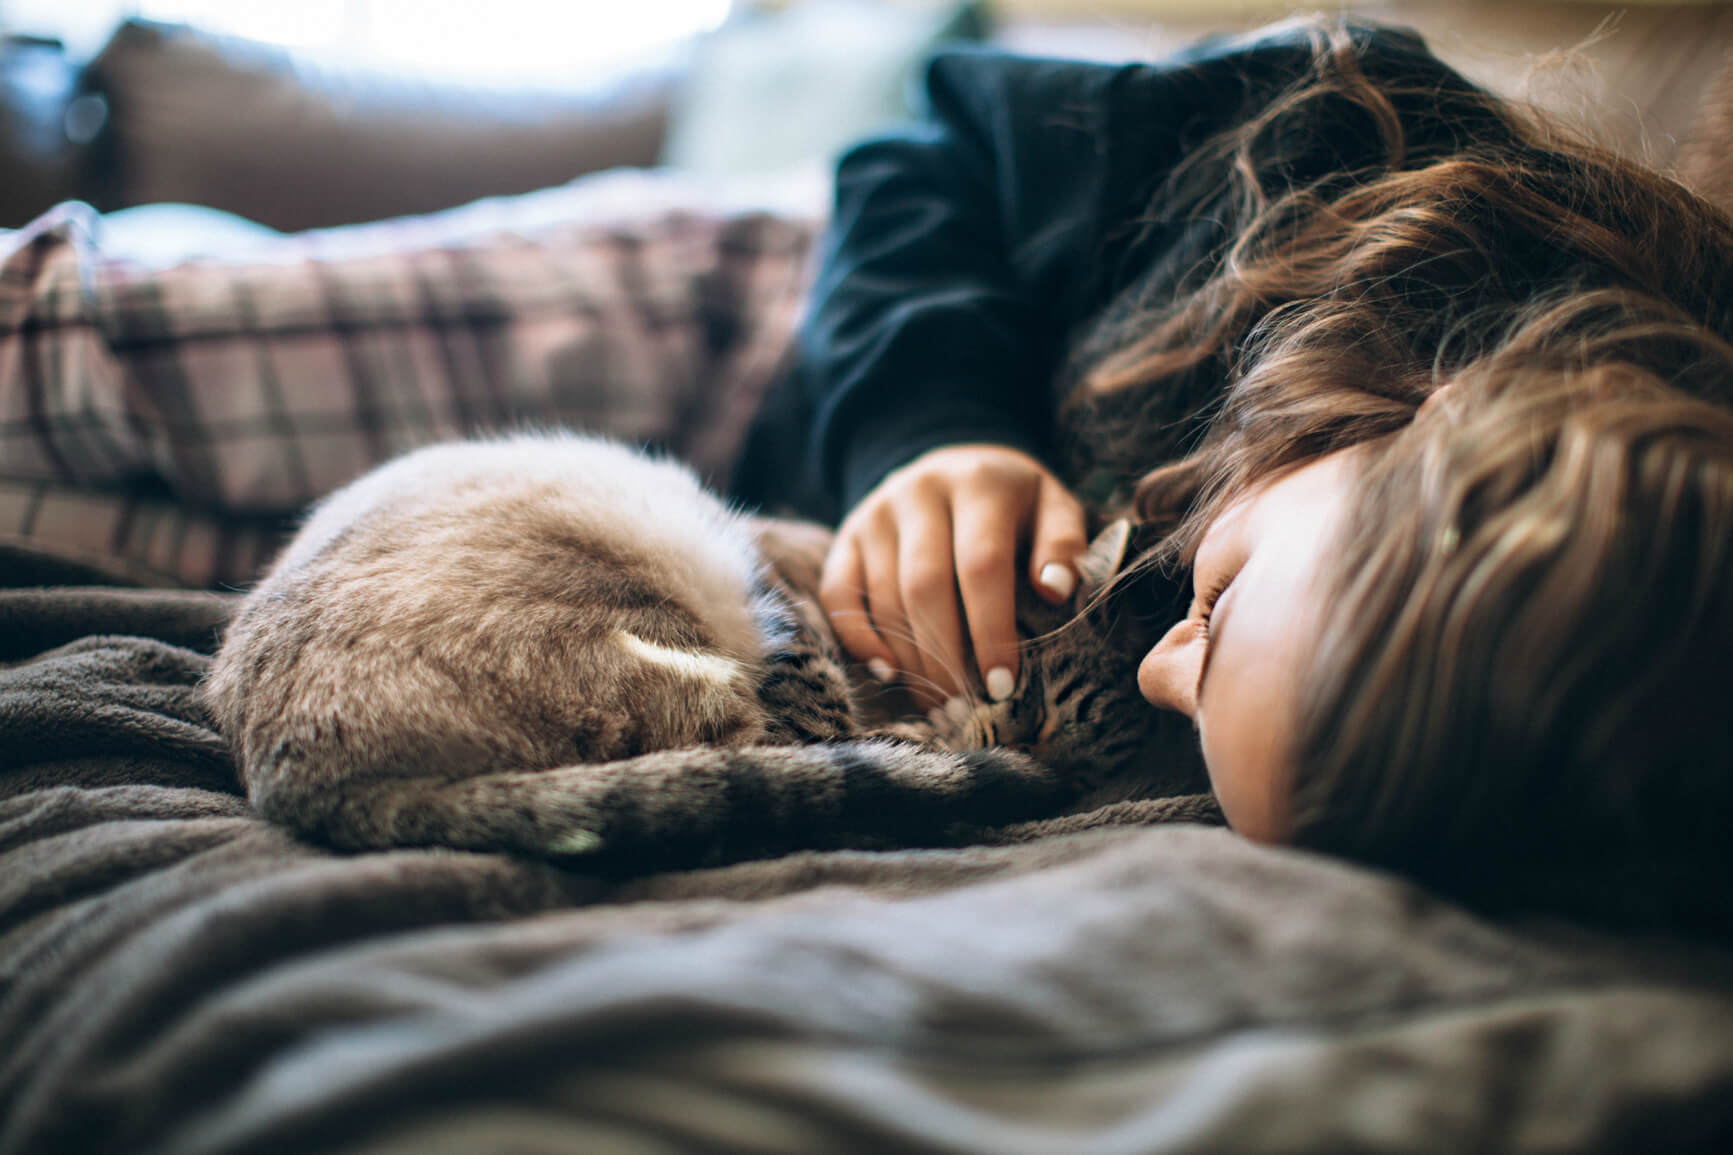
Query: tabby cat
[[556, 645]]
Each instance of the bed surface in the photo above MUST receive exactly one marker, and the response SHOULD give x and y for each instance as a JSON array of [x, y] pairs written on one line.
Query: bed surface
[[181, 977]]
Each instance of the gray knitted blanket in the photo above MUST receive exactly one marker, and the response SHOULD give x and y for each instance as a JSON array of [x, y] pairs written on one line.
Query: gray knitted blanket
[[177, 976]]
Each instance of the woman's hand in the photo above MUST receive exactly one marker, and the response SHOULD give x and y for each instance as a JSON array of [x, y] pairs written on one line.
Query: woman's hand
[[929, 557]]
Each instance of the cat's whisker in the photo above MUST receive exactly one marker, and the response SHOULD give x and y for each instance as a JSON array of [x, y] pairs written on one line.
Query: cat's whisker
[[920, 682], [956, 672]]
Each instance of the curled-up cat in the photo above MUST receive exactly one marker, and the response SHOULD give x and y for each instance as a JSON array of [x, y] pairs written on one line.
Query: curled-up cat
[[556, 645]]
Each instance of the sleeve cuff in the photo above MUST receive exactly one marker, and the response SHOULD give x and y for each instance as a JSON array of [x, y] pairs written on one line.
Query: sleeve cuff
[[890, 441]]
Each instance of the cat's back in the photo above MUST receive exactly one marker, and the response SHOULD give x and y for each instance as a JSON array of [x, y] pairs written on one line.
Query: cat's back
[[518, 497], [513, 603]]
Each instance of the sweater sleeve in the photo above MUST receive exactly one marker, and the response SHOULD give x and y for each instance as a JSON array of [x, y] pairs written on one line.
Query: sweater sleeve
[[940, 301]]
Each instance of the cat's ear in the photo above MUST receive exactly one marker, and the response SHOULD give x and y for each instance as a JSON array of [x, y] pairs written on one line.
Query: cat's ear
[[1102, 561]]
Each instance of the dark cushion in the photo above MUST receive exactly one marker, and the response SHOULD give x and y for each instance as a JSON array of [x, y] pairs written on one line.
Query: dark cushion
[[254, 130]]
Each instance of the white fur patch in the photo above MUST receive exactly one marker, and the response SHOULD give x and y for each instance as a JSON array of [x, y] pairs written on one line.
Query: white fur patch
[[712, 668], [576, 841]]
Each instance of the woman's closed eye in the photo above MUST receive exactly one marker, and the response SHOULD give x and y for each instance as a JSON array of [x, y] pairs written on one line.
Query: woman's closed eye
[[1207, 618], [1223, 553], [1205, 605]]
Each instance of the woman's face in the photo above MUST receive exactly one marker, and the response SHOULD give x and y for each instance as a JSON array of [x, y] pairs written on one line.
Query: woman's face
[[1234, 664]]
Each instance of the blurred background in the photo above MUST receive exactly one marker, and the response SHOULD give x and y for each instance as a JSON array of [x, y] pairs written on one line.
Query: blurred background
[[316, 113]]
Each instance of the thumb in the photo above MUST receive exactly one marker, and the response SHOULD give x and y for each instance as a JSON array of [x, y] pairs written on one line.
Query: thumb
[[1060, 538]]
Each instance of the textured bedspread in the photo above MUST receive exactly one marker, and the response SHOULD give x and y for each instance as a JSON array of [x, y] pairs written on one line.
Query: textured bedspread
[[176, 976]]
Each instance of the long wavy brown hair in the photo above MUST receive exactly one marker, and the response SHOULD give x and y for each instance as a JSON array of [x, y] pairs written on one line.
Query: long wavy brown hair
[[1528, 629], [1350, 294], [1520, 688]]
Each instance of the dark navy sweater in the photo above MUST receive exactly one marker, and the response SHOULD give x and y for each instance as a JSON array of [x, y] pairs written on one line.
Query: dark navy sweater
[[968, 252]]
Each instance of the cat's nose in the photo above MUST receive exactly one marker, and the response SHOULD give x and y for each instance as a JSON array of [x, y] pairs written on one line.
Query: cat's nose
[[1168, 675]]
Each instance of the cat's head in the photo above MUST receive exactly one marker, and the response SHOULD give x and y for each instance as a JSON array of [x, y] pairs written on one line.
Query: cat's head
[[1076, 706]]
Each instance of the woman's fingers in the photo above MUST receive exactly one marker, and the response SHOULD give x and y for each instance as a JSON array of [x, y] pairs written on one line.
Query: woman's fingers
[[1061, 537], [886, 608], [842, 593], [987, 526], [929, 593], [923, 574]]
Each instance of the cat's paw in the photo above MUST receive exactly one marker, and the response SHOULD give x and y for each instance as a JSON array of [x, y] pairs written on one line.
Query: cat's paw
[[959, 725], [963, 723], [912, 732]]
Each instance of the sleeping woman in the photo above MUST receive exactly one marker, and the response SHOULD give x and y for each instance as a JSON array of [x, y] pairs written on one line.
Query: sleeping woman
[[1430, 399]]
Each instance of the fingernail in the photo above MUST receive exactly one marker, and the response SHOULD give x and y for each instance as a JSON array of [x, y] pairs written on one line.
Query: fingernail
[[1058, 578], [881, 669], [1000, 683]]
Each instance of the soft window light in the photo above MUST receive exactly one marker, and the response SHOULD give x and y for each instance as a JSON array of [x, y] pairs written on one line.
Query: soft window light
[[502, 40]]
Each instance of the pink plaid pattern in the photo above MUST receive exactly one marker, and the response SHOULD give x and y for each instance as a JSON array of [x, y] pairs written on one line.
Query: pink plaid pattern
[[173, 419]]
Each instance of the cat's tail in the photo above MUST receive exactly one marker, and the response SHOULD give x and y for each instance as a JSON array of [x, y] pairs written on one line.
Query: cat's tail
[[685, 807]]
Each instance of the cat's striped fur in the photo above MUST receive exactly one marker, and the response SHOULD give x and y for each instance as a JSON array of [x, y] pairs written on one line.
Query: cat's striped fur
[[554, 645]]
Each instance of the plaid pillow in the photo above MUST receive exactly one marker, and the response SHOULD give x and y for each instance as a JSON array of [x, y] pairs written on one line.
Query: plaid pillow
[[173, 418]]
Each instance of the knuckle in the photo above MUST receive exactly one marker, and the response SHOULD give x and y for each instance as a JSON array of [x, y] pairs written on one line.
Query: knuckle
[[927, 582], [859, 517], [927, 488], [983, 563], [988, 474], [878, 522]]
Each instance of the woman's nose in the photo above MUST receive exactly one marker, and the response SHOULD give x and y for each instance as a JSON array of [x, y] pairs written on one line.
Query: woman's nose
[[1168, 675]]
